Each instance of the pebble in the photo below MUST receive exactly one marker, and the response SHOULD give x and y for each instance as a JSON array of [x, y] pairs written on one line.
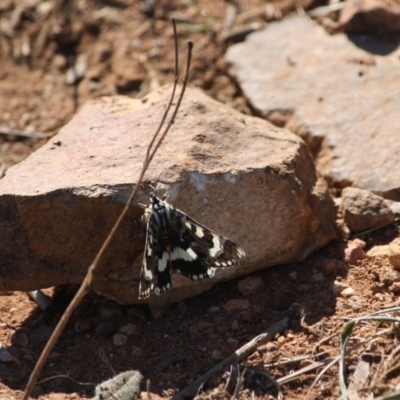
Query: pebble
[[293, 275], [119, 339], [137, 351], [214, 309], [233, 342], [347, 292], [248, 316], [216, 355], [5, 355], [354, 251], [20, 338], [251, 285], [281, 340], [237, 304], [394, 253], [82, 326], [128, 329], [235, 325], [338, 287], [41, 334], [271, 346], [107, 328]]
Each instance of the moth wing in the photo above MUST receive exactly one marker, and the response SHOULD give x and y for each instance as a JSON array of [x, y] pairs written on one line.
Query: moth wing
[[197, 250], [155, 273]]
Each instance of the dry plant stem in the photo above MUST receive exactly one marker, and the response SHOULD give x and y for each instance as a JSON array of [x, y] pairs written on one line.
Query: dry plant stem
[[26, 134], [85, 286], [235, 357]]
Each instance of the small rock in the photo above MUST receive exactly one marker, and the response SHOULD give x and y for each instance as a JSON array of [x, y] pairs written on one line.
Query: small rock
[[128, 329], [281, 340], [251, 285], [233, 342], [82, 326], [356, 303], [364, 210], [293, 275], [395, 288], [379, 296], [237, 304], [388, 276], [119, 339], [214, 309], [235, 325], [137, 351], [317, 277], [338, 287], [347, 292], [354, 251], [5, 355], [332, 266], [107, 328], [20, 338], [216, 355], [370, 16], [194, 332], [54, 356], [107, 312], [271, 346], [379, 251], [222, 329], [248, 316], [394, 253], [41, 334], [203, 326]]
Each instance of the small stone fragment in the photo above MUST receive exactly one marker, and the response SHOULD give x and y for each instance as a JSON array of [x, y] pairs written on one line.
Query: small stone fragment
[[395, 288], [338, 287], [128, 329], [216, 355], [119, 339], [20, 338], [237, 304], [347, 292], [251, 285], [364, 210], [354, 251], [235, 325], [379, 251], [5, 355], [293, 275], [394, 253], [41, 334], [233, 342]]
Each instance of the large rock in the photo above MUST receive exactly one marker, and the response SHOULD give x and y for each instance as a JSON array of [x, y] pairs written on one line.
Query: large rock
[[239, 175], [337, 92]]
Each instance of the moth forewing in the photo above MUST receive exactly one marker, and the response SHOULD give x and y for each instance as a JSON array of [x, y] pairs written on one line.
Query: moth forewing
[[176, 241]]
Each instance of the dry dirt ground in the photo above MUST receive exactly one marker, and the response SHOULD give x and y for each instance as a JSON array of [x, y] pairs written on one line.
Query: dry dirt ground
[[54, 57]]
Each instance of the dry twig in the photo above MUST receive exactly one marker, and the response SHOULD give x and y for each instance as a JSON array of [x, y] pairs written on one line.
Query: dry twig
[[152, 148], [235, 357]]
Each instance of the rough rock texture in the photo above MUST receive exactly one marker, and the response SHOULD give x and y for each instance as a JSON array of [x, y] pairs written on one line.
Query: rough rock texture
[[239, 175], [364, 210], [371, 16], [337, 92]]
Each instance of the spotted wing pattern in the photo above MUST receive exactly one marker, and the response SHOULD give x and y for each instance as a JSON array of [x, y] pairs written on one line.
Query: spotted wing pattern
[[176, 241]]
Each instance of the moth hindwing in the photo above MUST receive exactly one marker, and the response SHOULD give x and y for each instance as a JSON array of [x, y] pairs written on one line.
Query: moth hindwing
[[174, 241]]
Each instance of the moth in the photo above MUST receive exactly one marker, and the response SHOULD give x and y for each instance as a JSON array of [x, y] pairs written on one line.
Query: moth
[[174, 241]]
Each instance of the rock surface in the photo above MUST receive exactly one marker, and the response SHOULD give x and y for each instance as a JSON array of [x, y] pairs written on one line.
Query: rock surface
[[364, 210], [335, 91], [371, 16], [239, 175]]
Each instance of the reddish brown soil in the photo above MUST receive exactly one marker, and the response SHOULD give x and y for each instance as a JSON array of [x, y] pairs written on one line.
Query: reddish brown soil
[[128, 50]]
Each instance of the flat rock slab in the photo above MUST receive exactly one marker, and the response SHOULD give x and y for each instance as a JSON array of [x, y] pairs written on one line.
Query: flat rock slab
[[340, 93], [241, 176]]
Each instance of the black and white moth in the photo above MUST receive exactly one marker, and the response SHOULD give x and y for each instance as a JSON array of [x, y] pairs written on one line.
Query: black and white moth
[[174, 241]]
